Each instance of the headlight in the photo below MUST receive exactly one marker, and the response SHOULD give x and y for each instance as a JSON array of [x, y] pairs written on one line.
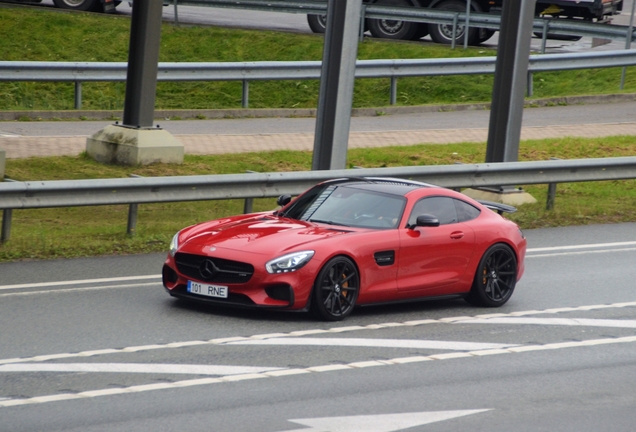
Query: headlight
[[174, 244], [289, 263]]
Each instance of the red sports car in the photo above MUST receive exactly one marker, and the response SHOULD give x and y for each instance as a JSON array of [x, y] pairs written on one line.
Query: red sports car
[[348, 242]]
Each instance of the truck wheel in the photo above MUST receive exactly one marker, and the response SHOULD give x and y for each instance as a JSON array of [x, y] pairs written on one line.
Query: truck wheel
[[394, 29], [317, 23], [443, 33], [80, 5]]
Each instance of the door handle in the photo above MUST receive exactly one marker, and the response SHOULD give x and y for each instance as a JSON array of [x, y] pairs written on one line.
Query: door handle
[[457, 235]]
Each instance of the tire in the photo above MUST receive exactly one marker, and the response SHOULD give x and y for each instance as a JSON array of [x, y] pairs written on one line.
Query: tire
[[80, 5], [394, 29], [485, 34], [443, 33], [336, 289], [317, 23], [495, 278]]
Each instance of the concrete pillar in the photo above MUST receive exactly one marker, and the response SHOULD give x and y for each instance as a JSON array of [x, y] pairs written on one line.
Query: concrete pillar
[[137, 142]]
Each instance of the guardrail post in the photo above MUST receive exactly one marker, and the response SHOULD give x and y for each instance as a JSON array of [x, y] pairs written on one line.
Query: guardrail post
[[176, 14], [467, 25], [393, 90], [7, 214], [455, 18], [78, 95], [133, 211], [628, 41], [544, 36], [552, 187], [6, 225], [530, 85], [549, 205], [248, 207], [245, 97], [363, 14]]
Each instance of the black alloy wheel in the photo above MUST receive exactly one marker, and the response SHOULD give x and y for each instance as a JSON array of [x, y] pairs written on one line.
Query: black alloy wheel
[[336, 289], [495, 278]]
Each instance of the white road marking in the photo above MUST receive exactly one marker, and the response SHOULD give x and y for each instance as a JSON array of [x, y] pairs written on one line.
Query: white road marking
[[580, 253], [380, 343], [579, 249], [84, 289], [557, 321], [314, 369], [135, 368], [79, 282], [226, 340], [379, 423], [158, 276], [583, 246]]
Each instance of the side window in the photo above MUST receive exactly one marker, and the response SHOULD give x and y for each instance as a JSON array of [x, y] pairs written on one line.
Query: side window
[[465, 211], [441, 207]]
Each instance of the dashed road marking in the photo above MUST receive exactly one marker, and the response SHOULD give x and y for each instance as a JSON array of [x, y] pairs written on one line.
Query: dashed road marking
[[79, 282], [314, 369], [558, 322], [145, 368], [379, 343], [227, 340]]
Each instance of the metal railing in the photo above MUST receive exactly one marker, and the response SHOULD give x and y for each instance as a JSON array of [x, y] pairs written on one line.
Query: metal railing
[[78, 72], [140, 190], [544, 26]]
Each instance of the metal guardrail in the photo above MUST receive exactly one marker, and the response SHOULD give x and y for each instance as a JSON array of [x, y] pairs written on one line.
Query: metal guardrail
[[79, 72], [140, 190], [425, 15]]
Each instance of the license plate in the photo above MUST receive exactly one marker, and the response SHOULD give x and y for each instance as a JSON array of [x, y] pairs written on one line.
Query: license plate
[[207, 290]]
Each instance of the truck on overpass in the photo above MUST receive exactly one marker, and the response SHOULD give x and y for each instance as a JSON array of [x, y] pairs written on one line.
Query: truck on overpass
[[588, 10]]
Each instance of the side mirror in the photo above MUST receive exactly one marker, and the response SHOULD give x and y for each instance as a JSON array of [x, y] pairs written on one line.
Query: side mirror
[[283, 200], [426, 220]]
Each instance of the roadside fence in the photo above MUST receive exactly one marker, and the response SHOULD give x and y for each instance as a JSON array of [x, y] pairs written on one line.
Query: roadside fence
[[79, 72], [143, 190]]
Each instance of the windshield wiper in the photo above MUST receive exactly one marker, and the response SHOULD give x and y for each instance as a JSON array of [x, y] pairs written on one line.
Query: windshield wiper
[[327, 222]]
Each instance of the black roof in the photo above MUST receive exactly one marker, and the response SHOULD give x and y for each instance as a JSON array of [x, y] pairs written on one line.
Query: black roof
[[394, 186]]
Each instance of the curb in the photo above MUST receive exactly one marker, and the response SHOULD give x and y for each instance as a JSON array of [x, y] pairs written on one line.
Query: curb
[[210, 114]]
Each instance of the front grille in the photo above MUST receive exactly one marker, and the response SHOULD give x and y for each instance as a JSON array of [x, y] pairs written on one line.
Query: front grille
[[211, 269]]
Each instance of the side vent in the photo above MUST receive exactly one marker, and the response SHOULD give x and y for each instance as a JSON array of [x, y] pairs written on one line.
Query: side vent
[[384, 258]]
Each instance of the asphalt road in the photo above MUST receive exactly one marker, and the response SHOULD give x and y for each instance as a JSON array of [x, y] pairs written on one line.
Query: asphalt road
[[81, 350], [593, 113]]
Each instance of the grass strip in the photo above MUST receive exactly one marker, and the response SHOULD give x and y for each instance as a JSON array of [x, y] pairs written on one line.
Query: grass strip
[[89, 231], [29, 34]]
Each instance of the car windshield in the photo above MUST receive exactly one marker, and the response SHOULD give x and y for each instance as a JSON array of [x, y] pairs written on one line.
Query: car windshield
[[348, 206]]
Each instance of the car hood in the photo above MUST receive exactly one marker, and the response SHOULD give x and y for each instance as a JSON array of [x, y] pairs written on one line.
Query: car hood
[[263, 235]]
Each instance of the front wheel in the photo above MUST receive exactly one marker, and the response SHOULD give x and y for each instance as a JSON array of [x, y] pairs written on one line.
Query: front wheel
[[336, 289], [495, 278], [80, 5]]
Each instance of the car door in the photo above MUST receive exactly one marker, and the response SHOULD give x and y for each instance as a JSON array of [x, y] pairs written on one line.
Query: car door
[[433, 257]]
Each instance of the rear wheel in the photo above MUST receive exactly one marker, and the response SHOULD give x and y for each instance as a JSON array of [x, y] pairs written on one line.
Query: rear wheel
[[82, 5], [394, 29], [495, 278], [336, 289], [443, 33]]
